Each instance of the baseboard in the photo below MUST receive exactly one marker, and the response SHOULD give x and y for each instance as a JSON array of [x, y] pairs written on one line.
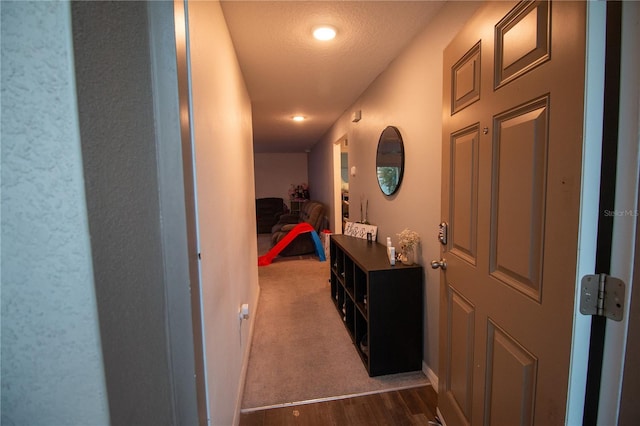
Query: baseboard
[[440, 417], [329, 398], [433, 377], [245, 362]]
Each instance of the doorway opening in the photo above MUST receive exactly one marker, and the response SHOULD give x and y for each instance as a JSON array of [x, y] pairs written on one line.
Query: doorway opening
[[340, 183]]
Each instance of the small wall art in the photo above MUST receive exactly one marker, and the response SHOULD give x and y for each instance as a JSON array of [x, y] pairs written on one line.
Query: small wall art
[[360, 230]]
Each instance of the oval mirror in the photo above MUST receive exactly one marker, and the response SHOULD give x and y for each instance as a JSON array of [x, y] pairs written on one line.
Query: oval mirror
[[390, 160]]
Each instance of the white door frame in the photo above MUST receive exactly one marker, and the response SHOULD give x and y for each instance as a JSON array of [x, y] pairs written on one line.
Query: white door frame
[[181, 22], [590, 198], [337, 185], [625, 212], [626, 200]]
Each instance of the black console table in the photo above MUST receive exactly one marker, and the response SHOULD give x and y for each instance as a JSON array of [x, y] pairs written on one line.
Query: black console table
[[380, 305]]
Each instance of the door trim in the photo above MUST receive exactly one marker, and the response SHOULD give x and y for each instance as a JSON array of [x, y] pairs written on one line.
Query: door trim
[[624, 229], [337, 185], [608, 168], [191, 210], [592, 146]]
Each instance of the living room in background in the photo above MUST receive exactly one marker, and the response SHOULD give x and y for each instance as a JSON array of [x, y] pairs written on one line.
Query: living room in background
[[276, 172]]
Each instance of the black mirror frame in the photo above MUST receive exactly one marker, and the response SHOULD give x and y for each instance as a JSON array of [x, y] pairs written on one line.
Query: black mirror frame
[[383, 138]]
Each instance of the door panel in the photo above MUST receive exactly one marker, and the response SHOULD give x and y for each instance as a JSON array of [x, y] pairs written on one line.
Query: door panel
[[460, 357], [522, 41], [511, 162], [511, 378], [518, 188], [464, 193], [465, 85]]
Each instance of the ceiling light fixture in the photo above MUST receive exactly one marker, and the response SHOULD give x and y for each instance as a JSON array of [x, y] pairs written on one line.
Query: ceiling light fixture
[[298, 118], [324, 32]]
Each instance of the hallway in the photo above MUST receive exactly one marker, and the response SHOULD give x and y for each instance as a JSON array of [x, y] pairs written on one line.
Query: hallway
[[300, 350]]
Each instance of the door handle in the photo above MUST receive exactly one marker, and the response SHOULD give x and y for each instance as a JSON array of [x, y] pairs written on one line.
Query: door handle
[[442, 264]]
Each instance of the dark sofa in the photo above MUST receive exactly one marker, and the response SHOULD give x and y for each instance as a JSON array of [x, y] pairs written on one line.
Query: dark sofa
[[312, 212], [268, 211]]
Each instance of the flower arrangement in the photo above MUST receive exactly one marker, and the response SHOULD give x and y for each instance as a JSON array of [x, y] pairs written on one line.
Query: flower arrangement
[[408, 240], [299, 192]]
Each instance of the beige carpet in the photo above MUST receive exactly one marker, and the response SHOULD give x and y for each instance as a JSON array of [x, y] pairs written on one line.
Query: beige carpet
[[301, 350]]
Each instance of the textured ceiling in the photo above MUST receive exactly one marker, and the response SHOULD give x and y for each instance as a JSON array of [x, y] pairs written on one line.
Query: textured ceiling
[[288, 72]]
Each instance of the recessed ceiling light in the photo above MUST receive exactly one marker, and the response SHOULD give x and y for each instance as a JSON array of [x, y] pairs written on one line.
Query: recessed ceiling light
[[324, 32], [298, 118]]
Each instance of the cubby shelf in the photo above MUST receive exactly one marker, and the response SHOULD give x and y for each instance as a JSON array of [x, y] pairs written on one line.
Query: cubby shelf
[[381, 305]]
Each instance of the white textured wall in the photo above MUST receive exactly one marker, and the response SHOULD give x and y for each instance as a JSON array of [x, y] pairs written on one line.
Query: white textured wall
[[51, 360], [276, 172], [407, 95], [222, 135]]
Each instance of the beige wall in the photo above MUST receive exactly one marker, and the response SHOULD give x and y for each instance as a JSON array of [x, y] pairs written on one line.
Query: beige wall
[[226, 206], [407, 95], [276, 172]]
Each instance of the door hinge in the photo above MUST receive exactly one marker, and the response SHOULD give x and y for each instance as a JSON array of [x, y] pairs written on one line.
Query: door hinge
[[602, 295]]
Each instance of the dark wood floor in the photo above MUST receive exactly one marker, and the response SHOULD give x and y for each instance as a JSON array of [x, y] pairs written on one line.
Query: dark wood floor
[[416, 406]]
